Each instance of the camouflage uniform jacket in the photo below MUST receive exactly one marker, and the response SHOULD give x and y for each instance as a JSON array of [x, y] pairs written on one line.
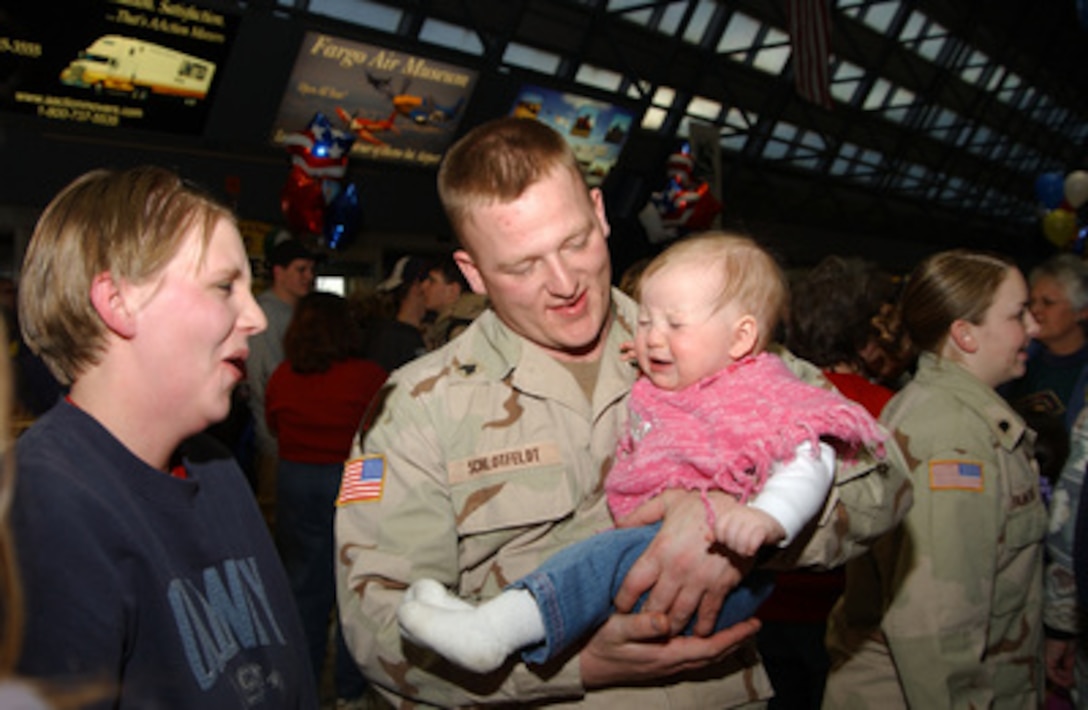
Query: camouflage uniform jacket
[[959, 584], [495, 459], [1060, 610]]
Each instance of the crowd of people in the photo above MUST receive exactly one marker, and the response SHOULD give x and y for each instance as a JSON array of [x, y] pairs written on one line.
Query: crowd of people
[[499, 479]]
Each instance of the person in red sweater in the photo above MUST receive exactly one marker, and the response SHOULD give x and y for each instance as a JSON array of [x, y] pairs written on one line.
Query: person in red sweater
[[314, 404], [835, 323]]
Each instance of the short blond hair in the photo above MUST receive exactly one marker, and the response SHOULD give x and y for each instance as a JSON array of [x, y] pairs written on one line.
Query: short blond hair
[[750, 277], [498, 161], [127, 223]]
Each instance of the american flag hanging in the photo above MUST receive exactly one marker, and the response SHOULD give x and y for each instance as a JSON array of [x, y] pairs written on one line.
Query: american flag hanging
[[810, 33]]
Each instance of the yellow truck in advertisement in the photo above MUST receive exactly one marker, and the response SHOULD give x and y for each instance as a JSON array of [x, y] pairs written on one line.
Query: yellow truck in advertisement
[[118, 64]]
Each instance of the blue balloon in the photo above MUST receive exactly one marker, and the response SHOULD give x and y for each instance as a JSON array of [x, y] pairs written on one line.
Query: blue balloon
[[1078, 243], [1050, 189], [342, 218]]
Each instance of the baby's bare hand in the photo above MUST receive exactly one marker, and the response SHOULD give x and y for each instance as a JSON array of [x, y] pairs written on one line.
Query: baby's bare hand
[[744, 530]]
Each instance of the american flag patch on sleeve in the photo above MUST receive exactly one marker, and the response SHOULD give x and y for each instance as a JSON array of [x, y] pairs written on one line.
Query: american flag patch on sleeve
[[362, 480], [955, 475]]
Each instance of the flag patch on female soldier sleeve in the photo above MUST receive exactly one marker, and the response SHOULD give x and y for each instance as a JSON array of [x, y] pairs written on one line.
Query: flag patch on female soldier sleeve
[[955, 475], [362, 480]]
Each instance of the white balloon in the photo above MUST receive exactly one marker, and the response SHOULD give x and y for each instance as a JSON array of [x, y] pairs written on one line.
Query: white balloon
[[1076, 188]]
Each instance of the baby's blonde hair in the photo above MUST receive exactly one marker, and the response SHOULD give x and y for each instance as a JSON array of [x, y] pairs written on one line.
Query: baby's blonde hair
[[750, 277]]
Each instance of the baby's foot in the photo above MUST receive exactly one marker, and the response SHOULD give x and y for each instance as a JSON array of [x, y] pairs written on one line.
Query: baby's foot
[[433, 618], [433, 593]]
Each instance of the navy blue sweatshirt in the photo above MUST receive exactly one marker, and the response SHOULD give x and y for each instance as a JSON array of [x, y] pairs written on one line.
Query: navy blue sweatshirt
[[166, 591]]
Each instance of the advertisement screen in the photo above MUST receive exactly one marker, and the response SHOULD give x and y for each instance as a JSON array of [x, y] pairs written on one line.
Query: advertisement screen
[[400, 107], [114, 63], [596, 130]]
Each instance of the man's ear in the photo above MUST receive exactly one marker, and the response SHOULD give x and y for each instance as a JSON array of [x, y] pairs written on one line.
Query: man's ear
[[108, 299], [468, 268], [962, 334], [597, 198], [745, 335]]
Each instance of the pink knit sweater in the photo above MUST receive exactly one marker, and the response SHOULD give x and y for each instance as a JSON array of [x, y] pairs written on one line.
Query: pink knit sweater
[[725, 431]]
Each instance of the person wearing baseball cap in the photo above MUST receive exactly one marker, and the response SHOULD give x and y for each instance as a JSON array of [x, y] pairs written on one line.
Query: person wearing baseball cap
[[408, 270], [391, 342]]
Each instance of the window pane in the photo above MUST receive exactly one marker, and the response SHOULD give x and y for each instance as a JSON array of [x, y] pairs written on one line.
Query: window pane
[[784, 131], [361, 12], [520, 55], [742, 120], [664, 96], [446, 35], [879, 15], [877, 95], [931, 48], [772, 60], [705, 108], [775, 150], [597, 77], [813, 140], [914, 27], [700, 20], [670, 20], [735, 142], [653, 119], [739, 34]]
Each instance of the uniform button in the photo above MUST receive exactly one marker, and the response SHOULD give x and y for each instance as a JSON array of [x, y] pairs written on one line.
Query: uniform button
[[1003, 425]]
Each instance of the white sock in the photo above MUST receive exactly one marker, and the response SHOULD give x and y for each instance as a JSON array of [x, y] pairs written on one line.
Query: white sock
[[514, 615], [477, 638], [432, 593]]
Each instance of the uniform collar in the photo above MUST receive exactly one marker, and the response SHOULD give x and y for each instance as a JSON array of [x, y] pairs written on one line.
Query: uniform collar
[[532, 370], [1007, 426]]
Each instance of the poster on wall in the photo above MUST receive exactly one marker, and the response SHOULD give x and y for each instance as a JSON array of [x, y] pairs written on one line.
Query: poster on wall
[[401, 108], [152, 64], [596, 130]]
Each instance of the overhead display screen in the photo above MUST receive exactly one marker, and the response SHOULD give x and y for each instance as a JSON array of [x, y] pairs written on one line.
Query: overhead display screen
[[151, 64], [596, 130], [400, 107]]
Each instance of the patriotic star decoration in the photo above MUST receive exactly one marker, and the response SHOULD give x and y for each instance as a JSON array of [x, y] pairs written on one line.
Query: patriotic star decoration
[[320, 149]]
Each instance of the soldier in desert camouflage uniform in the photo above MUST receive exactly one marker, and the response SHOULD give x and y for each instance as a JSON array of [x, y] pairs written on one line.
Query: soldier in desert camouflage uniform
[[946, 611], [489, 455]]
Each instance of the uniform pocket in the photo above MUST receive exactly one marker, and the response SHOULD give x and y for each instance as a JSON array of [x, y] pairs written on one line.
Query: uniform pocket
[[1025, 527], [1019, 562]]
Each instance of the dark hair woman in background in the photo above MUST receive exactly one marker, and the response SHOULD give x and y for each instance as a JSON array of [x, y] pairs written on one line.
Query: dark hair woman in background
[[314, 403]]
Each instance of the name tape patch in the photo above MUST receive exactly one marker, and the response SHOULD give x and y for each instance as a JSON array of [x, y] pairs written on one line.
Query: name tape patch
[[504, 461]]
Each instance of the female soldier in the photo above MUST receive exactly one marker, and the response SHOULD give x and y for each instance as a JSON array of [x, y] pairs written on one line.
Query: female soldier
[[945, 611]]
